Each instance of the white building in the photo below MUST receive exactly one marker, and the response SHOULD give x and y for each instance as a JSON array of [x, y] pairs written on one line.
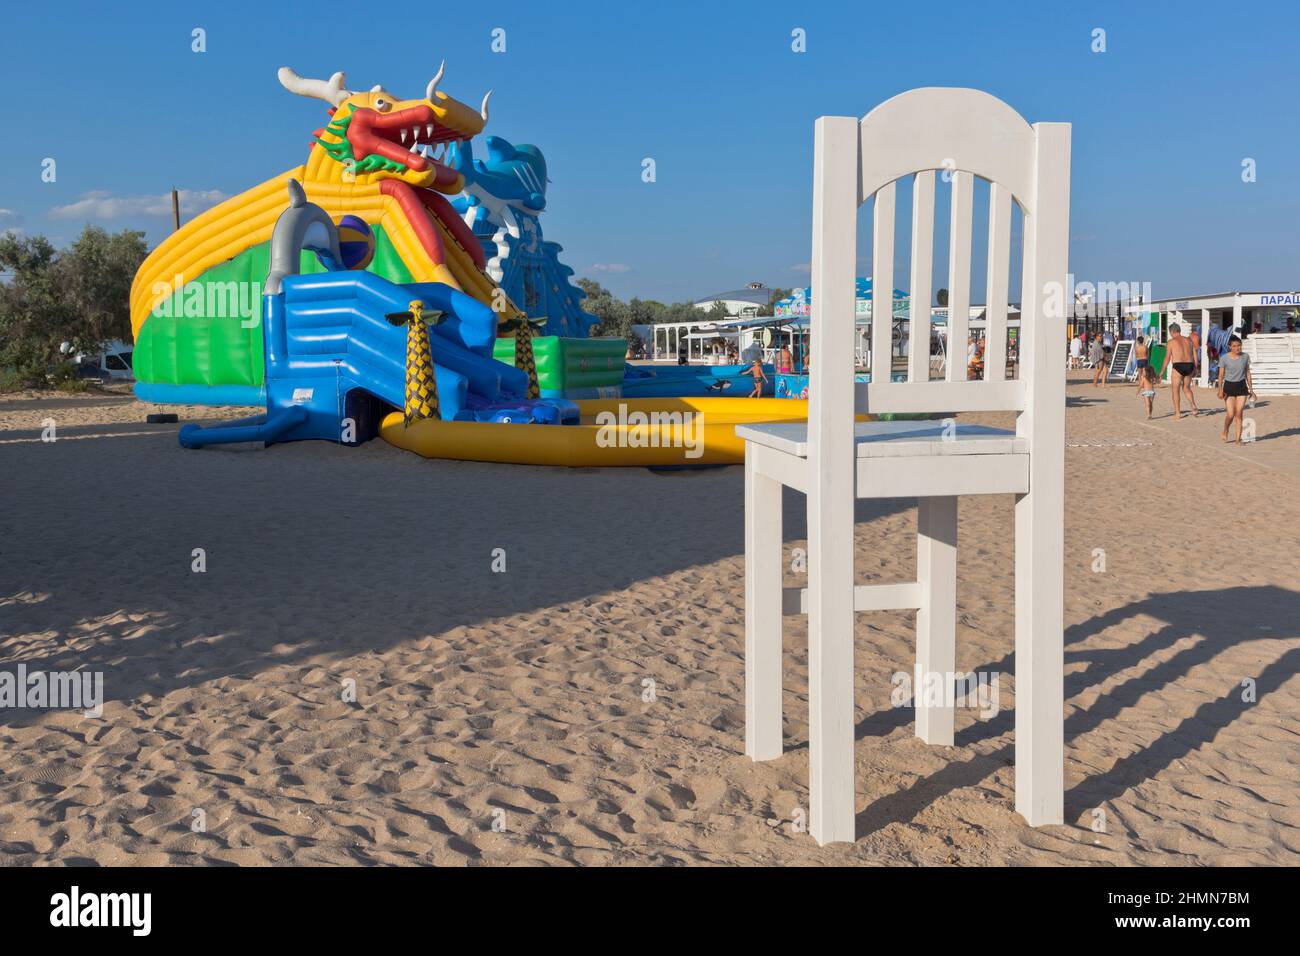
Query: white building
[[1271, 319]]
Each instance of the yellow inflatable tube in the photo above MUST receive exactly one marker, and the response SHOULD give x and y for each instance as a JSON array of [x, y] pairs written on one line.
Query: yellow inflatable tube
[[614, 432]]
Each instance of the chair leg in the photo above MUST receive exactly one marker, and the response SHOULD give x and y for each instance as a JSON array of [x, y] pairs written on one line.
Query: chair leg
[[936, 620], [830, 664], [1040, 656], [763, 606]]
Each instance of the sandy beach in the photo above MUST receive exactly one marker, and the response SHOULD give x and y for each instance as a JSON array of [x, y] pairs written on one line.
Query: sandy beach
[[587, 705]]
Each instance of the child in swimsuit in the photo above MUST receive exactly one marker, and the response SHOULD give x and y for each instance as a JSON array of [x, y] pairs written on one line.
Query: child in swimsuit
[[756, 370], [1147, 387]]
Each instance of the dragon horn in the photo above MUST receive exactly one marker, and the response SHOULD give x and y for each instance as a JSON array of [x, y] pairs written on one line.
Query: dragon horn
[[332, 91], [433, 83], [483, 110]]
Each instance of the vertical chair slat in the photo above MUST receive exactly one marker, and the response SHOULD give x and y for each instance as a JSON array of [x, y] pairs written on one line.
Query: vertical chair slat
[[882, 286], [995, 328], [836, 166], [963, 188], [1040, 514], [918, 359]]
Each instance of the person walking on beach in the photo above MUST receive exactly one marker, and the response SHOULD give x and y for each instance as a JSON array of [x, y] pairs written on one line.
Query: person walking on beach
[[1098, 366], [1178, 354], [756, 370], [1076, 352], [1147, 387], [1142, 355], [1235, 385]]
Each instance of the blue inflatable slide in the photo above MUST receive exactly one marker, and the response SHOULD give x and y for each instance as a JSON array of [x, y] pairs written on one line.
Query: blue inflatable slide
[[335, 349]]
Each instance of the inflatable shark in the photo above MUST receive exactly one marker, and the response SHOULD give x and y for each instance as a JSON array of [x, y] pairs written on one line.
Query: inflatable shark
[[501, 201]]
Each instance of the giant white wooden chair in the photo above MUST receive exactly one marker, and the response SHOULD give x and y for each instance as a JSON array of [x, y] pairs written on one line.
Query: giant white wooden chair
[[832, 459]]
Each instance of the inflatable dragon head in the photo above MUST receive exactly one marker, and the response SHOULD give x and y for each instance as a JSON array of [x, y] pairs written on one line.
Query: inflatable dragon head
[[374, 136]]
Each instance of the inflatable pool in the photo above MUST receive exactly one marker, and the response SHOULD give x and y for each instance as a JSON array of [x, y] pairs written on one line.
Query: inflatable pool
[[626, 433], [663, 381]]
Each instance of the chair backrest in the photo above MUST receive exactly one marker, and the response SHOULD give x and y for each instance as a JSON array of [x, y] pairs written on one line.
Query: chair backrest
[[959, 134]]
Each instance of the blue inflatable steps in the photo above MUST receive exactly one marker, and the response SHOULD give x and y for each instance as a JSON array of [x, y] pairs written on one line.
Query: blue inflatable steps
[[336, 363]]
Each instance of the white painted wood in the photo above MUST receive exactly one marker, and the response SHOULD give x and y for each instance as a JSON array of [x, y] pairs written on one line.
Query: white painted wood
[[778, 459], [1281, 347], [1274, 362], [959, 241], [882, 286], [887, 597], [898, 439], [1276, 378], [941, 128], [762, 614], [1007, 396], [971, 475], [1205, 348], [914, 132], [830, 454], [1040, 513], [921, 291], [936, 619], [866, 597], [999, 278]]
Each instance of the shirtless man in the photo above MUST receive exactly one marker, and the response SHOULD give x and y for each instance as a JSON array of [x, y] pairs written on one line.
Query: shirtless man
[[1142, 358], [1178, 353]]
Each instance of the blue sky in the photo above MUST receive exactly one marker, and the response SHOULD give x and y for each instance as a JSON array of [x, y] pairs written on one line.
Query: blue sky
[[711, 91]]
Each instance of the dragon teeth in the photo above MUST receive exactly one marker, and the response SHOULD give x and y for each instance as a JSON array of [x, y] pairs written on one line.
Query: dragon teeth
[[429, 130], [403, 135]]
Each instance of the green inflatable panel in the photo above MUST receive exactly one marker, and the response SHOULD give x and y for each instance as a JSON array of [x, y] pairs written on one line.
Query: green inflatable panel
[[210, 332], [567, 365]]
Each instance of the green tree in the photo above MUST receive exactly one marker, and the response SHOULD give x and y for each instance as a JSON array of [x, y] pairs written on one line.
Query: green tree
[[96, 274], [614, 318], [31, 311], [79, 295], [941, 297], [776, 296]]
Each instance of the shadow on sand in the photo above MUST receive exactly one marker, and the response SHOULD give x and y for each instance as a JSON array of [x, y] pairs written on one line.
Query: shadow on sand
[[360, 549], [1216, 620]]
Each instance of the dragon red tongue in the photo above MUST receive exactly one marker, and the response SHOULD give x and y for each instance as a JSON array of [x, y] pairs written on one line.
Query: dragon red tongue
[[398, 155]]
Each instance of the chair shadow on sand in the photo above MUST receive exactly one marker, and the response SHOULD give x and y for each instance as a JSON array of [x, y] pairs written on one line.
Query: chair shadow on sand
[[1265, 611]]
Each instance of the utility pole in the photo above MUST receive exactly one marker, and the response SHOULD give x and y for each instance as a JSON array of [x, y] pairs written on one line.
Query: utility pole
[[176, 210]]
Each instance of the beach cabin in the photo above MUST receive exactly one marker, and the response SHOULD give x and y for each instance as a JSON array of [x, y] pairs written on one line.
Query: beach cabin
[[1267, 322]]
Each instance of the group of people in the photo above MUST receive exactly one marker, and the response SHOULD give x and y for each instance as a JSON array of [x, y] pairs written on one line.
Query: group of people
[[1182, 360], [1183, 363], [1099, 349]]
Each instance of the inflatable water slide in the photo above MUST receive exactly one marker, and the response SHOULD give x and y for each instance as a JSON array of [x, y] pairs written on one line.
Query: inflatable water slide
[[353, 298]]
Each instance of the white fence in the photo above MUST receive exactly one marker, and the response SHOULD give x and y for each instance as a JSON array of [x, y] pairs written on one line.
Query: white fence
[[1274, 362]]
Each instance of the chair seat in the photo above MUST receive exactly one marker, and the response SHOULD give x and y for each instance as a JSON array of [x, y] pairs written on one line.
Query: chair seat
[[895, 439]]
